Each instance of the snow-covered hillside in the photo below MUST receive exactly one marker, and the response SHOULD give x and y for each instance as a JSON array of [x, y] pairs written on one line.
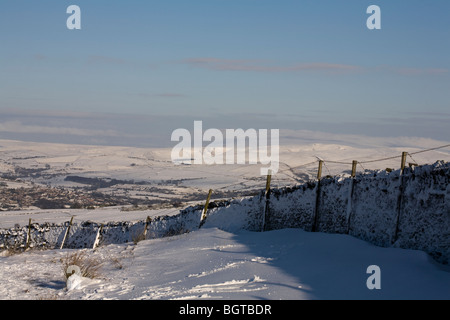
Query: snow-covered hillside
[[408, 211], [51, 164], [221, 260]]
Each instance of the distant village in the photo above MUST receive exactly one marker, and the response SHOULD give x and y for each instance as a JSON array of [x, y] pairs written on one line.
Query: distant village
[[53, 198], [18, 191]]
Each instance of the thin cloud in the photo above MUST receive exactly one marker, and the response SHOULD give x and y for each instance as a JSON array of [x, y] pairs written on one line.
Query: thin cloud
[[429, 114], [39, 57], [163, 95], [254, 65], [19, 127], [413, 71], [52, 114], [423, 71], [263, 66], [98, 59], [170, 95]]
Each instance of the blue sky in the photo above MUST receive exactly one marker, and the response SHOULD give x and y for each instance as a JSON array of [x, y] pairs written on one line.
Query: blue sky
[[251, 63]]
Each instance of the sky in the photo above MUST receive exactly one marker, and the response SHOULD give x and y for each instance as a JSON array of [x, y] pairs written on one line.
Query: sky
[[137, 70]]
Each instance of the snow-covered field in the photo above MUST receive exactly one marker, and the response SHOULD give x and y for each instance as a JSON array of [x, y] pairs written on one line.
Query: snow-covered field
[[212, 263], [215, 264], [299, 152]]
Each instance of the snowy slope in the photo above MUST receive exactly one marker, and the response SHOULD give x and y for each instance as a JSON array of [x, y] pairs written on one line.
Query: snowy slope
[[212, 263], [299, 151], [215, 264]]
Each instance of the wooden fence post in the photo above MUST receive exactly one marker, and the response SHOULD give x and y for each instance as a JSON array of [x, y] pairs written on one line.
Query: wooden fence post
[[354, 163], [205, 209], [404, 154], [97, 238], [67, 233], [147, 222], [319, 171], [400, 198], [314, 226], [267, 200], [350, 195], [28, 235]]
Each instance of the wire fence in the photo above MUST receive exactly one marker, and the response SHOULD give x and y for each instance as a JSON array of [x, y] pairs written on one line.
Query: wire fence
[[259, 182], [291, 173]]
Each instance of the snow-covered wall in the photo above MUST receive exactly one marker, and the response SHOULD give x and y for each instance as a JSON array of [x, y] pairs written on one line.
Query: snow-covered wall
[[387, 209], [83, 235]]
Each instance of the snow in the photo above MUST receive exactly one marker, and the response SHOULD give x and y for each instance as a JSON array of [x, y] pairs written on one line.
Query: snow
[[215, 264], [9, 219], [154, 165], [222, 260], [74, 282]]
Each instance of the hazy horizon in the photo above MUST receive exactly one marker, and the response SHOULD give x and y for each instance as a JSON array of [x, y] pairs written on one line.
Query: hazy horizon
[[107, 129], [136, 71]]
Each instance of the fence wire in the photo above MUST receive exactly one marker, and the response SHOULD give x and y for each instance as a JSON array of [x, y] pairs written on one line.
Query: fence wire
[[259, 183]]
